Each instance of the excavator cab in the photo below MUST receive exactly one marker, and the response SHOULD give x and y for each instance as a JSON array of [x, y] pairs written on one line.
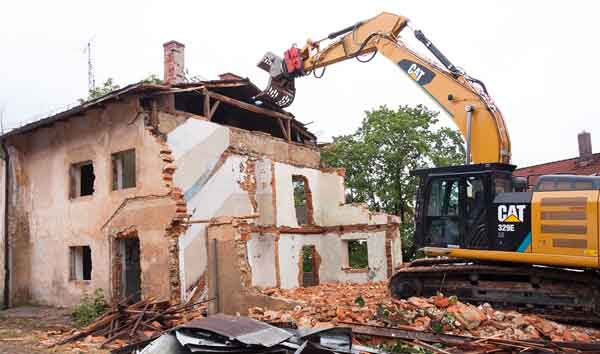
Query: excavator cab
[[455, 205]]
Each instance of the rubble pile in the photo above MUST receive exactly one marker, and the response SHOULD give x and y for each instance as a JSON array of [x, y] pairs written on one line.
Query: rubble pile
[[370, 304], [124, 324]]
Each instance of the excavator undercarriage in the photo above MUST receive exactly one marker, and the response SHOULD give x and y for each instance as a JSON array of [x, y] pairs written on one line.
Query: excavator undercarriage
[[561, 294]]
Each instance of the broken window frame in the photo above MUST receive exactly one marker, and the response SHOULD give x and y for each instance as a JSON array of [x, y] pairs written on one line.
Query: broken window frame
[[80, 263], [75, 180], [119, 170]]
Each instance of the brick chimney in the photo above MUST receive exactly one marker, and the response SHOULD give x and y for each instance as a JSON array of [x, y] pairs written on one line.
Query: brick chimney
[[585, 145], [174, 62]]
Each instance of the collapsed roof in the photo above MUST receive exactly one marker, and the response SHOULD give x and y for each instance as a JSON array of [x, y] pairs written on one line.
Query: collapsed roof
[[229, 101]]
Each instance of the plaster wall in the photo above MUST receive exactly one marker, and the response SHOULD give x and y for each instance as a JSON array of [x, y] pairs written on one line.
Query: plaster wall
[[333, 252], [215, 182], [45, 221], [262, 259], [327, 189], [329, 208]]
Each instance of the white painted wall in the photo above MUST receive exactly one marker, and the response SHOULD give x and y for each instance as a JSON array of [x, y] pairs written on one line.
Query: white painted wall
[[333, 252], [211, 187], [261, 256], [212, 190]]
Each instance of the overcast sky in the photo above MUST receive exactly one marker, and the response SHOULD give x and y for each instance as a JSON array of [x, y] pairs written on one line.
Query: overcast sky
[[538, 59]]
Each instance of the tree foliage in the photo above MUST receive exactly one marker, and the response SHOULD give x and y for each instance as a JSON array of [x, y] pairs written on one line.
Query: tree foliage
[[152, 79], [107, 87], [358, 256], [379, 156]]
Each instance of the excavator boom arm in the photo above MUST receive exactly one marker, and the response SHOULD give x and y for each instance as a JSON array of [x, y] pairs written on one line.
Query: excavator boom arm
[[465, 99]]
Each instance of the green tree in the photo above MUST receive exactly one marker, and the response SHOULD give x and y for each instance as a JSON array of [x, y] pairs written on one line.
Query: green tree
[[107, 87], [379, 156], [152, 79]]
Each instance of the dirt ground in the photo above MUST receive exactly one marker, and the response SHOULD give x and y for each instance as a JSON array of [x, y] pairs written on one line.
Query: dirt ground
[[25, 330]]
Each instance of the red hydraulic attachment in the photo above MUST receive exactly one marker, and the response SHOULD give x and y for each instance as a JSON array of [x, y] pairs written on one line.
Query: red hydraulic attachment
[[293, 61]]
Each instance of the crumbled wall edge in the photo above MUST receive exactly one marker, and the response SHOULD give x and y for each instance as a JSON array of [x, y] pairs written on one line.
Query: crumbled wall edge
[[177, 226]]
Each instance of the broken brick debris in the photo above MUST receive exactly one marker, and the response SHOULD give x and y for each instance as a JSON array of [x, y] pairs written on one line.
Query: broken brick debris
[[128, 324], [370, 305]]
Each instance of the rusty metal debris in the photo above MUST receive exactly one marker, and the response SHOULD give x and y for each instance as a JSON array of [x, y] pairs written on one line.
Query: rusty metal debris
[[243, 329], [223, 334], [238, 335]]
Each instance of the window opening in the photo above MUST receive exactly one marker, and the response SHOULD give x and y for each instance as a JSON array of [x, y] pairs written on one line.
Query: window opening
[[81, 179], [302, 200], [80, 263], [123, 169], [358, 255]]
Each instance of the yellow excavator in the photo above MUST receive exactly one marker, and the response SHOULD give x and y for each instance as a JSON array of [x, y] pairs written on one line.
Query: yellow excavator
[[486, 239]]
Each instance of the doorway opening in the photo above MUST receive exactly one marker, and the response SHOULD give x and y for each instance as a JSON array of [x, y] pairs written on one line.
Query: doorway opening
[[309, 266], [131, 272], [126, 270]]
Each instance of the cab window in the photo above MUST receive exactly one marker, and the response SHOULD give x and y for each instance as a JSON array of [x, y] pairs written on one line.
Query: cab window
[[475, 196], [442, 221], [443, 200]]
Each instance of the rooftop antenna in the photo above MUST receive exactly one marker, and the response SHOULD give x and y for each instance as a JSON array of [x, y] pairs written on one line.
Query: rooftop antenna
[[88, 50]]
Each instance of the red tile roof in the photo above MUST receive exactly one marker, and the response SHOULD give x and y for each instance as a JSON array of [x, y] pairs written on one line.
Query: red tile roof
[[574, 166]]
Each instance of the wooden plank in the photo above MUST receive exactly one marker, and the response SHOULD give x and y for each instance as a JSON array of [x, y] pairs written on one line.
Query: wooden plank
[[304, 132], [283, 130], [190, 115], [246, 106], [139, 319], [188, 89], [213, 109], [206, 105]]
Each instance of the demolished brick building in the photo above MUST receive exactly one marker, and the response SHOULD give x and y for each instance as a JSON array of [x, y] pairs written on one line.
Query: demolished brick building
[[154, 190]]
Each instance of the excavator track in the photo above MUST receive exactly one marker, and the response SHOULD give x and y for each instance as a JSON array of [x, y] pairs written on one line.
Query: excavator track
[[560, 294]]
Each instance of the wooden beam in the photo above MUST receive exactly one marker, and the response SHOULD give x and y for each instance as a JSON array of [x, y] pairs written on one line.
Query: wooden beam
[[213, 109], [190, 115], [283, 130], [304, 132], [225, 84], [289, 130], [206, 105], [195, 88], [246, 106]]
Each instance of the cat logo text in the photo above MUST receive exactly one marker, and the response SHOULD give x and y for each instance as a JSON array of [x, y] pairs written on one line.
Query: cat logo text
[[511, 213]]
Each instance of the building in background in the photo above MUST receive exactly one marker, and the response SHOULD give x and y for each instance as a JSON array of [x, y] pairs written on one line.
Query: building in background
[[587, 163]]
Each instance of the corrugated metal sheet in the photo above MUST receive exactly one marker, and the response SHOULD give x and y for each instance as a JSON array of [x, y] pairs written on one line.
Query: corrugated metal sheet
[[243, 329]]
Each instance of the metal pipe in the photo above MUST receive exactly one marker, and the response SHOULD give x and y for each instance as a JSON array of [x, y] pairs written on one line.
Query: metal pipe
[[436, 52], [6, 297], [469, 110]]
